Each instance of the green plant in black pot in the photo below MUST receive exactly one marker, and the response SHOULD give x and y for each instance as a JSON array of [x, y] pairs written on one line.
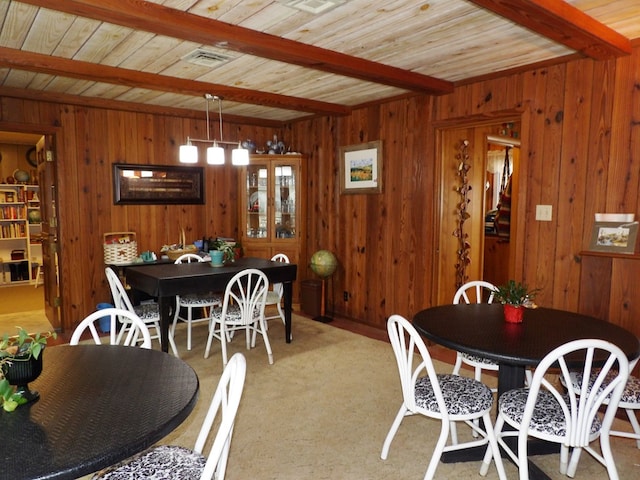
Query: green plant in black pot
[[20, 363]]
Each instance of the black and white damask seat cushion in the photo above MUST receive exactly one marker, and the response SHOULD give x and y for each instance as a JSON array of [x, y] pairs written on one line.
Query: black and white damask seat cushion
[[147, 311], [200, 299], [165, 462], [233, 313], [462, 395], [477, 359], [548, 416]]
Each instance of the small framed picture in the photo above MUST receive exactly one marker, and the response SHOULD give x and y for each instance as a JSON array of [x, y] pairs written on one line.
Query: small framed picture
[[614, 237], [361, 168]]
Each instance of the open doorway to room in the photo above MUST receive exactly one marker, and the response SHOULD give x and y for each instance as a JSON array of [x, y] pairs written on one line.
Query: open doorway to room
[[502, 157], [459, 230], [22, 230]]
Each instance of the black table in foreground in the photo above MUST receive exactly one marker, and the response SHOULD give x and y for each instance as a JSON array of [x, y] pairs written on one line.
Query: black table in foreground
[[480, 329], [98, 405], [165, 281]]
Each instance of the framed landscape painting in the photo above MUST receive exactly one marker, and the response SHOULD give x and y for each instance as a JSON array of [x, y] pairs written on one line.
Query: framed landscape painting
[[614, 237], [361, 168]]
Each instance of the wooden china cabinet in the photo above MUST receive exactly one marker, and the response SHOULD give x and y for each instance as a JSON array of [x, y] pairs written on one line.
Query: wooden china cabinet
[[272, 209]]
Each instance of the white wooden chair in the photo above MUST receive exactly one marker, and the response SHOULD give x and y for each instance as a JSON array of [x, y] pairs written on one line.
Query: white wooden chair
[[447, 398], [169, 461], [629, 402], [477, 291], [274, 295], [192, 302], [149, 313], [242, 309], [571, 419], [137, 331]]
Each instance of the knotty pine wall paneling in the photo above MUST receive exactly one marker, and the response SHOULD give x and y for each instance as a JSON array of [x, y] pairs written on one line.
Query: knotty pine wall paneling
[[544, 152], [579, 153], [383, 242], [571, 182], [88, 141]]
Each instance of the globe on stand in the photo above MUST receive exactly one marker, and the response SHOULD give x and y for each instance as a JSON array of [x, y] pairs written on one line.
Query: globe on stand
[[324, 264]]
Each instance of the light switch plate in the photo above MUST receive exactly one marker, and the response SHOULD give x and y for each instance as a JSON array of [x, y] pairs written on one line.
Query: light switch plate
[[544, 213]]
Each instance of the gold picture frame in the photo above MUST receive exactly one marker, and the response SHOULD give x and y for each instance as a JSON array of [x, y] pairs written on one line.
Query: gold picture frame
[[614, 237], [361, 168]]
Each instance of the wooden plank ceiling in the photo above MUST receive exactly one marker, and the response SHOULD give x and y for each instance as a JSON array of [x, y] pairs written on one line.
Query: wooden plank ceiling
[[273, 62]]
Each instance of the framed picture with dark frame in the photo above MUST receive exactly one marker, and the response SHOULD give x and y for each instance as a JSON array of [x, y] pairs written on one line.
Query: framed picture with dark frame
[[614, 237], [154, 184], [361, 168]]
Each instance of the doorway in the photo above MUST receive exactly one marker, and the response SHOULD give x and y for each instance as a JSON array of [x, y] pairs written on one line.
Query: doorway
[[37, 290], [450, 237], [502, 158]]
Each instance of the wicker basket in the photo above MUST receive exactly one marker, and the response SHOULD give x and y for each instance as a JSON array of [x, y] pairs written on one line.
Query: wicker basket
[[174, 254], [120, 248]]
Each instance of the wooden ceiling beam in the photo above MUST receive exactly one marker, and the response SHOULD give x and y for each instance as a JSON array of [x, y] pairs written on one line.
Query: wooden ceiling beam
[[161, 20], [36, 62], [70, 99], [563, 23]]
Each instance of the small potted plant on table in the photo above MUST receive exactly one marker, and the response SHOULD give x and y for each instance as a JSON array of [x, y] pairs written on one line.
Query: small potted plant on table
[[20, 363], [514, 296]]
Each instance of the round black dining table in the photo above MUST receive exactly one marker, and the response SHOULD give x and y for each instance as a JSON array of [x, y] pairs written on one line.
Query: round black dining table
[[480, 329], [97, 405]]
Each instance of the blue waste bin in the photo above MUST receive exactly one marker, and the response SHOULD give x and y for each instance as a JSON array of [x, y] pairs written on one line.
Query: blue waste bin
[[104, 322]]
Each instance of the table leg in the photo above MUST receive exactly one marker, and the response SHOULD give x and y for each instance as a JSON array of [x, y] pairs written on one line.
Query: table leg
[[510, 377], [164, 305], [287, 297]]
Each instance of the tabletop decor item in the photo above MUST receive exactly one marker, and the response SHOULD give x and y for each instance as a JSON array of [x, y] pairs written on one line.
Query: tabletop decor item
[[226, 247], [176, 250], [20, 363], [515, 296]]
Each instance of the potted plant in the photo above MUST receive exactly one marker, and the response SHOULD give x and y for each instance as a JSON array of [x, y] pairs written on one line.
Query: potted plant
[[227, 248], [515, 296], [20, 363]]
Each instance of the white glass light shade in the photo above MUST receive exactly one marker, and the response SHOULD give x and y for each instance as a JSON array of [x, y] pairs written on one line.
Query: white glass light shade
[[215, 155], [240, 156], [188, 153]]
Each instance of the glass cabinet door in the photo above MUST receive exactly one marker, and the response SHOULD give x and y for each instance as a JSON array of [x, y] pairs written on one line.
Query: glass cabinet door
[[285, 177], [257, 214]]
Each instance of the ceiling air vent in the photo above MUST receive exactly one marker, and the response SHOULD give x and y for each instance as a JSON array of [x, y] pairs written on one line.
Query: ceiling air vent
[[207, 58], [313, 6]]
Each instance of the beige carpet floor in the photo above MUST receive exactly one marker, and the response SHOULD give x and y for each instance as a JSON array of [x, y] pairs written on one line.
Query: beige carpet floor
[[322, 410], [22, 306], [21, 298]]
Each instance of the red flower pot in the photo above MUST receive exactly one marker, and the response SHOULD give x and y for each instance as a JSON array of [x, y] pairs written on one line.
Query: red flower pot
[[513, 313]]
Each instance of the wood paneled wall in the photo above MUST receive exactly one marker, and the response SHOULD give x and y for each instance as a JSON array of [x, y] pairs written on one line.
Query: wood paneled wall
[[579, 154]]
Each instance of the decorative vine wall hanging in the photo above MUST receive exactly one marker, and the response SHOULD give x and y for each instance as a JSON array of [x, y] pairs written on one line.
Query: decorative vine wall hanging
[[463, 190]]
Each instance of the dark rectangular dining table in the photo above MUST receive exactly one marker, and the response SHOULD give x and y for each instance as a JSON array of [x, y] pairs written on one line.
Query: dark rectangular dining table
[[166, 280]]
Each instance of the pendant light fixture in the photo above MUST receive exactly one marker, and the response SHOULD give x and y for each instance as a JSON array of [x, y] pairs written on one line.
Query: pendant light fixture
[[215, 153]]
